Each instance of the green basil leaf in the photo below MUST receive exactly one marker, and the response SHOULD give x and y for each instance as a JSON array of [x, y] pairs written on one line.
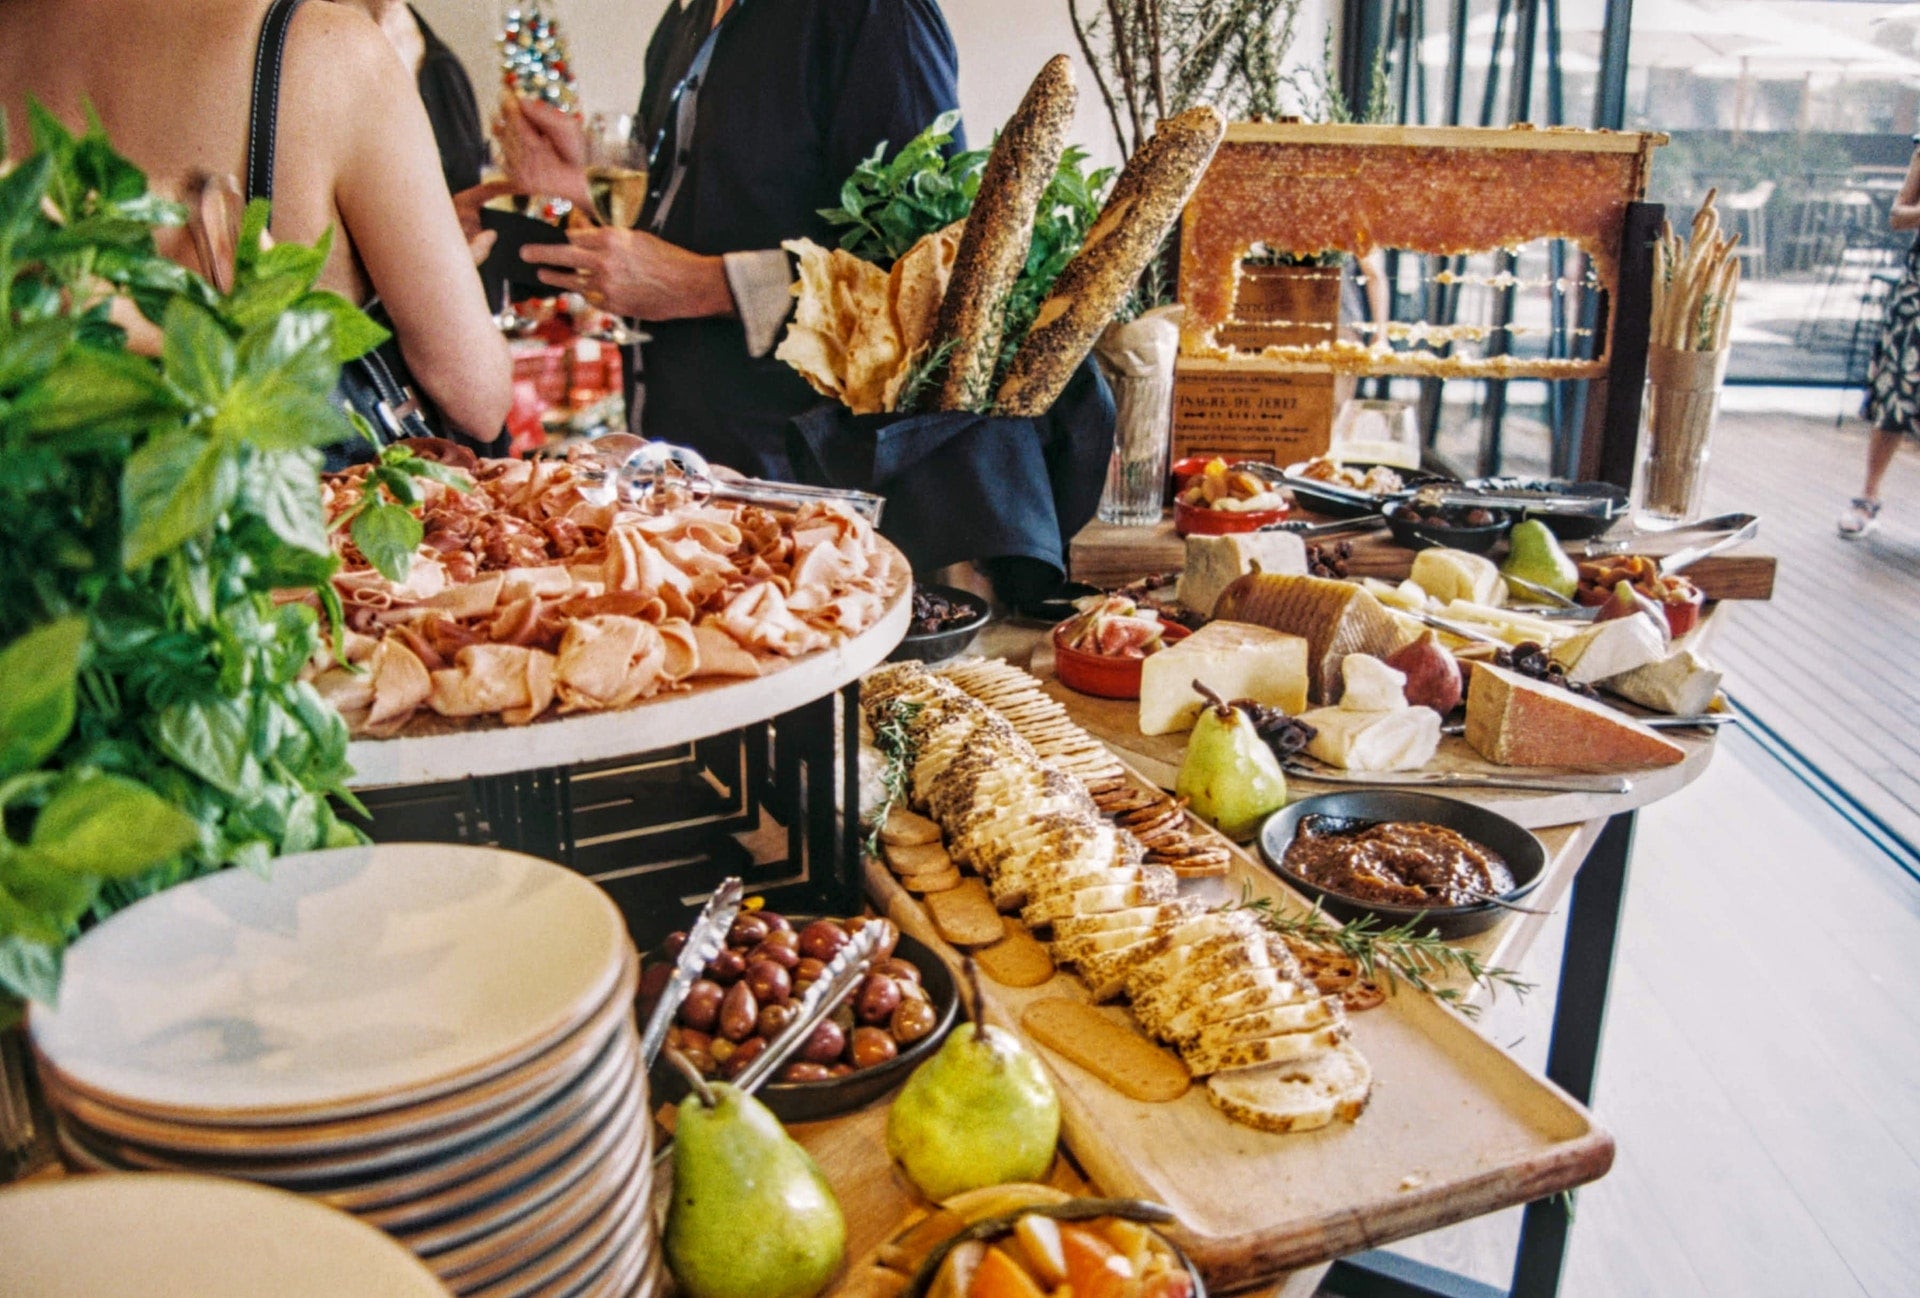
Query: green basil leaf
[[29, 970], [298, 260], [110, 827], [50, 899], [37, 675], [253, 224], [91, 387], [199, 355], [261, 301], [388, 535], [213, 740], [255, 855], [354, 331], [28, 353], [174, 489], [283, 488], [20, 193]]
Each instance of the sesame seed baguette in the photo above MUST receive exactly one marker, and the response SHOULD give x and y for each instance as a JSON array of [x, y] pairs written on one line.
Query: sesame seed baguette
[[999, 230], [1145, 202]]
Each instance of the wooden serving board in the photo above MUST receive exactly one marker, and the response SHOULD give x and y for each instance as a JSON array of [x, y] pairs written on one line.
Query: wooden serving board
[[1116, 723], [1106, 555], [1455, 1129]]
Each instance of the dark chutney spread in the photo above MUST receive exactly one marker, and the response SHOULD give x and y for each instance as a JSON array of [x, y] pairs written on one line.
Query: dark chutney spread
[[1396, 863]]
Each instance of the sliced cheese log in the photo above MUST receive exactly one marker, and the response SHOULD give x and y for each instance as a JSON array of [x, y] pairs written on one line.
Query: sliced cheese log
[[1404, 739], [1514, 720], [1235, 660], [1609, 648], [1274, 1020], [1337, 618], [1213, 1056], [1267, 989], [1680, 684], [1086, 901], [1133, 917], [1448, 575], [1216, 562], [1299, 1096]]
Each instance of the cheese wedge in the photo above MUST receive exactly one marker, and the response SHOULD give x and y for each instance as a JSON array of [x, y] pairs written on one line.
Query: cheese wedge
[[1404, 739], [1216, 562], [1610, 648], [1448, 575], [1337, 618], [1235, 660], [1680, 684], [1515, 720]]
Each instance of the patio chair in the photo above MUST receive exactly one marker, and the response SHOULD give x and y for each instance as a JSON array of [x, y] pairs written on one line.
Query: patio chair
[[1747, 214]]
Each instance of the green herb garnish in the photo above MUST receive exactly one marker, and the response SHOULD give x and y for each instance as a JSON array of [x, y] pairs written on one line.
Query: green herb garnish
[[893, 737]]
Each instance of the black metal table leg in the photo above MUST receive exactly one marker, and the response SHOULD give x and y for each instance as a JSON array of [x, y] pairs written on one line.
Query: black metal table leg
[[1573, 1059]]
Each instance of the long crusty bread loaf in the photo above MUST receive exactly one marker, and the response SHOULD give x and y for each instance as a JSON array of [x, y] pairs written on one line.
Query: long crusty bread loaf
[[1145, 202], [1297, 1096], [1516, 720], [993, 248]]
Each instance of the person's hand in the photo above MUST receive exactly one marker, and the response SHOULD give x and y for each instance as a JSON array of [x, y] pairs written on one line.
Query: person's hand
[[635, 274], [468, 202], [545, 150]]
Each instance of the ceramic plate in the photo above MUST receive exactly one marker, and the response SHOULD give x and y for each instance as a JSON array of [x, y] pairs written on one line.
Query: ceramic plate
[[348, 982], [109, 1236], [457, 1116], [580, 1254]]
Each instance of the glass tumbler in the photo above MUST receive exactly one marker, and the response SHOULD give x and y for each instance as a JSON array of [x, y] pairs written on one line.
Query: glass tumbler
[[1676, 431]]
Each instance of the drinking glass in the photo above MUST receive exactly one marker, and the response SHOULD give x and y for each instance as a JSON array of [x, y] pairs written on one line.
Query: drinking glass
[[1376, 432], [1676, 429], [616, 170]]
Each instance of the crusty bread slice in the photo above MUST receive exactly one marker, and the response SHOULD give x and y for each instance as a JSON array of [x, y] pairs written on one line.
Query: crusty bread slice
[[1205, 1056], [1515, 720], [1264, 990], [1073, 950], [1132, 917], [1331, 1086], [1278, 1020], [1195, 1004], [1042, 911]]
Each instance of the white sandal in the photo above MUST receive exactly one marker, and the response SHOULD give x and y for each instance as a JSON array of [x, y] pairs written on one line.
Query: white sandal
[[1862, 517]]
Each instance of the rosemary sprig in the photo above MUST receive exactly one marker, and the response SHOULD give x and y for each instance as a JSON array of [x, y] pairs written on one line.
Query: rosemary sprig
[[1393, 954], [920, 377], [894, 739]]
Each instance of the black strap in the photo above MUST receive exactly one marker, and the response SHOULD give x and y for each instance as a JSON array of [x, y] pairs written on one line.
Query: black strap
[[263, 128]]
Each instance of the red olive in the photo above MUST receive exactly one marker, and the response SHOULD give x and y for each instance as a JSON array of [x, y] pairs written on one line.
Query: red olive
[[748, 930], [773, 1018], [805, 1072], [783, 955], [839, 1070], [825, 1045], [738, 1013], [769, 981], [879, 996], [899, 970], [823, 940], [911, 1021], [692, 1039], [872, 1046], [727, 966], [776, 923], [672, 947], [809, 969], [891, 939], [747, 1052], [701, 1009], [655, 979], [702, 1061]]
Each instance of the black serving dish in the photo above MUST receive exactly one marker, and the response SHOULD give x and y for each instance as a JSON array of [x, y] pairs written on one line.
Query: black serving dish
[[1568, 527], [1525, 857], [1460, 536], [1350, 502], [808, 1101], [950, 641]]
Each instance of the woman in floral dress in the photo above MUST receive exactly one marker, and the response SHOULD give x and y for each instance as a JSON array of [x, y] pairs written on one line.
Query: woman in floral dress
[[1893, 378]]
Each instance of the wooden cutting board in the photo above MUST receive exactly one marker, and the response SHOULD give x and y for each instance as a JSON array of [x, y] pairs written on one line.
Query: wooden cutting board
[[1116, 723], [1455, 1129], [1107, 556]]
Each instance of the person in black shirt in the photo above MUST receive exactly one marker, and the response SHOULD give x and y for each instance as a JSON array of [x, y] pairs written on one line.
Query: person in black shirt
[[758, 111]]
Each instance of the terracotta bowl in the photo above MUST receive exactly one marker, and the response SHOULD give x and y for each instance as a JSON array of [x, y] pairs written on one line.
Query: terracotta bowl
[[1189, 521], [1099, 675]]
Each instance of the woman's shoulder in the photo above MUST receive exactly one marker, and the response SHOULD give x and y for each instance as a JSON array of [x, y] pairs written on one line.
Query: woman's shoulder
[[340, 48]]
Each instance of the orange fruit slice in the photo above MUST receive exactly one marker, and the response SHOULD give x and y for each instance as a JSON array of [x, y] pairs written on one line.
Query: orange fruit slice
[[999, 1276], [1095, 1268]]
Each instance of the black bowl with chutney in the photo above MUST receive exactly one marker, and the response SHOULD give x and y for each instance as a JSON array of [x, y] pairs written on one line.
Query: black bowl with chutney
[[1350, 852]]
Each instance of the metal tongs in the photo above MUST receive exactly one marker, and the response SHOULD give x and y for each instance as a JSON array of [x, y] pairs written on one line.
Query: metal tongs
[[657, 476], [1280, 477], [1442, 496], [704, 940]]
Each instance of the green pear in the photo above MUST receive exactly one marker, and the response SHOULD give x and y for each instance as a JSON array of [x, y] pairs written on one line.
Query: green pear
[[980, 1112], [751, 1215], [1534, 554], [1230, 777]]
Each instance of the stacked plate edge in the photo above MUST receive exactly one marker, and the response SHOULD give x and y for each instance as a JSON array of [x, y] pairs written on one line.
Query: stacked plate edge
[[437, 1039]]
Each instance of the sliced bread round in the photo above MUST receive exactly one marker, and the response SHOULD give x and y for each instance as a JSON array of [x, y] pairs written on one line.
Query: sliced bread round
[[1298, 1096]]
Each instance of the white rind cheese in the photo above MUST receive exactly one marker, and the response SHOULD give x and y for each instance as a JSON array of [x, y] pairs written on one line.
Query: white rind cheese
[[1371, 685], [1610, 648], [1448, 575], [1404, 739], [1236, 660], [1215, 562], [1681, 685]]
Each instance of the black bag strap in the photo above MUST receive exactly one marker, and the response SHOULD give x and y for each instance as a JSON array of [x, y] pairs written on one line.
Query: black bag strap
[[263, 127]]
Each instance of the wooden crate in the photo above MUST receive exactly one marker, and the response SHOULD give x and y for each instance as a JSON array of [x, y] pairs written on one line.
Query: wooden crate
[[1243, 411]]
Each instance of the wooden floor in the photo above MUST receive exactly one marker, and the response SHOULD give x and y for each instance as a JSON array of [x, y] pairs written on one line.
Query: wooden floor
[[1830, 663], [1761, 1070]]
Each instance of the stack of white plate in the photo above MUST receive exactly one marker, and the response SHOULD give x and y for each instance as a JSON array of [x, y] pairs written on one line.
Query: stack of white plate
[[437, 1039]]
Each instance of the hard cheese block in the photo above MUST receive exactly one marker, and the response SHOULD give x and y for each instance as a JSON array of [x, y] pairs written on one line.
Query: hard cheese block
[[1216, 562], [1336, 617], [1234, 660], [1515, 720]]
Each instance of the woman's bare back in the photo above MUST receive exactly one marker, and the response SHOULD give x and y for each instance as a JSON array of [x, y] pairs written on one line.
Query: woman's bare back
[[171, 80]]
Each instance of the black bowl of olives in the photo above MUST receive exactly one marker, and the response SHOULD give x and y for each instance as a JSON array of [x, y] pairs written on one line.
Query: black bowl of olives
[[1452, 527], [897, 1016]]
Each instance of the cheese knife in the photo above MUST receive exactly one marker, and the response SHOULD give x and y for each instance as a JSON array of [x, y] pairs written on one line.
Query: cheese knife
[[1698, 720], [704, 940], [1540, 781]]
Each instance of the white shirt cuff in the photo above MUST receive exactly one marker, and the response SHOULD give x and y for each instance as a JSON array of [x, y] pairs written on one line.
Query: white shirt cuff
[[762, 286]]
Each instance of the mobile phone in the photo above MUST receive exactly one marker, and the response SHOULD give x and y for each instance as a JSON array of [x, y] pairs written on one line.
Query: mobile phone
[[503, 264]]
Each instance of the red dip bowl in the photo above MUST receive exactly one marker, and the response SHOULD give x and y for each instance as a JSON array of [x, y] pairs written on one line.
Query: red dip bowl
[[1189, 521], [1103, 676]]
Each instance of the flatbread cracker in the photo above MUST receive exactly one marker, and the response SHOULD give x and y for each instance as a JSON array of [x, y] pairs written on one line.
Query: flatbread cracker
[[904, 828], [924, 858], [1109, 1049], [965, 915], [932, 881], [1017, 960]]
